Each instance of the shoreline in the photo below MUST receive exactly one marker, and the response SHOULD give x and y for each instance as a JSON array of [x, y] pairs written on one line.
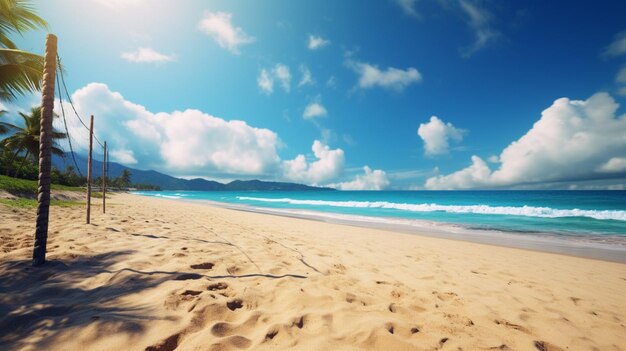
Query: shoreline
[[547, 243]]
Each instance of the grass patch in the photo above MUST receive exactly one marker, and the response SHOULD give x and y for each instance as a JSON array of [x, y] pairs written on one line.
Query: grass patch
[[22, 186], [32, 203]]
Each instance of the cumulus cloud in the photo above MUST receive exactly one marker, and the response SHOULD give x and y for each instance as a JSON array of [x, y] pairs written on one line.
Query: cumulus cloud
[[316, 42], [618, 46], [371, 76], [123, 156], [479, 20], [614, 165], [306, 76], [146, 55], [328, 165], [370, 180], [314, 110], [219, 26], [437, 134], [280, 73], [408, 6], [188, 142], [265, 81], [574, 140]]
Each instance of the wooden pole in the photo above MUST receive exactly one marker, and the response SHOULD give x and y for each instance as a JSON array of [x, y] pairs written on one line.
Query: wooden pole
[[104, 179], [45, 147], [89, 171]]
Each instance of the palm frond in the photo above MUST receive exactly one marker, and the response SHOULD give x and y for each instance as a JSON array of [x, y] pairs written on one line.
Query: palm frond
[[20, 72], [16, 17]]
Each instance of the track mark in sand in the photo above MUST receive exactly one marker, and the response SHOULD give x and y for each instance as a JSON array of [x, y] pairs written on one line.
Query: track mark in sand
[[545, 346], [443, 341], [188, 276], [350, 298], [501, 347], [239, 341], [415, 330], [235, 304], [206, 265], [512, 325], [169, 344], [191, 293], [445, 296], [217, 286], [113, 229], [271, 334], [575, 300], [389, 328], [299, 323], [221, 329], [392, 308], [232, 270]]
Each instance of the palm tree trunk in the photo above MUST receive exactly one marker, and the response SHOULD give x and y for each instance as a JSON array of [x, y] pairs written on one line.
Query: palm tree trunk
[[45, 149]]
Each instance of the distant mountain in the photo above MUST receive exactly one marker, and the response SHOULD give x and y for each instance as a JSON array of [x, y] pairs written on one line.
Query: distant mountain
[[167, 182]]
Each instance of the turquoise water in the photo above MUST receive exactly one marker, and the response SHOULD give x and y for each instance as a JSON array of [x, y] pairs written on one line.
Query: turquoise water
[[571, 213]]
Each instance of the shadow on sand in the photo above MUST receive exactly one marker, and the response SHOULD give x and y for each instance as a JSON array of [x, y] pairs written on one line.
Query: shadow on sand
[[49, 300]]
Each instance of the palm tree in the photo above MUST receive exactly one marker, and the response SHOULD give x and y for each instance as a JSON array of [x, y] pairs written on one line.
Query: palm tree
[[20, 71], [27, 138]]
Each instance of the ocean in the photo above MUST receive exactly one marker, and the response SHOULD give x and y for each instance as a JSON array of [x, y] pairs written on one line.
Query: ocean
[[594, 215]]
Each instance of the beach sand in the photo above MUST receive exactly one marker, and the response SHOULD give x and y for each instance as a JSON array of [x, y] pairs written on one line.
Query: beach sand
[[156, 274]]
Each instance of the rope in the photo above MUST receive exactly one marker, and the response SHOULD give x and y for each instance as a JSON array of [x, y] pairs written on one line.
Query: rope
[[69, 138], [72, 103]]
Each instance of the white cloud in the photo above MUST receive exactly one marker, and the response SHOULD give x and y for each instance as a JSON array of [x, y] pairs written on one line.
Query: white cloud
[[370, 180], [317, 42], [123, 156], [614, 165], [142, 55], [573, 141], [219, 26], [306, 76], [282, 74], [314, 110], [265, 82], [618, 46], [437, 134], [408, 6], [328, 166], [371, 76], [479, 20], [188, 142]]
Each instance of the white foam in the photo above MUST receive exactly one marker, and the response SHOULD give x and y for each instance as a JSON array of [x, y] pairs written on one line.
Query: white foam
[[528, 211]]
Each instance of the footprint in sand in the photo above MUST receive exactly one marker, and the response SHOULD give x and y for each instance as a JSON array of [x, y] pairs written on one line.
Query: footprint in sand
[[235, 304], [217, 286], [188, 276], [169, 344], [206, 265]]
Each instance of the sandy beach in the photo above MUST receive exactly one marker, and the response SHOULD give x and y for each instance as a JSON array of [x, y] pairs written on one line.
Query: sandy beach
[[157, 274]]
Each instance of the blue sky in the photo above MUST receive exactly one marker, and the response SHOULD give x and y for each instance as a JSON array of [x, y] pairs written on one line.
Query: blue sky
[[167, 79]]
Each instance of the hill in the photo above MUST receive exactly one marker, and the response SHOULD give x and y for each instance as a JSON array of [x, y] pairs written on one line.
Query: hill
[[167, 182]]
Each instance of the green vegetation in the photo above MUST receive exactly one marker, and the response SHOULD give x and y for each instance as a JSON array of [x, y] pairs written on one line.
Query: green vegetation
[[24, 186], [21, 71], [32, 203]]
